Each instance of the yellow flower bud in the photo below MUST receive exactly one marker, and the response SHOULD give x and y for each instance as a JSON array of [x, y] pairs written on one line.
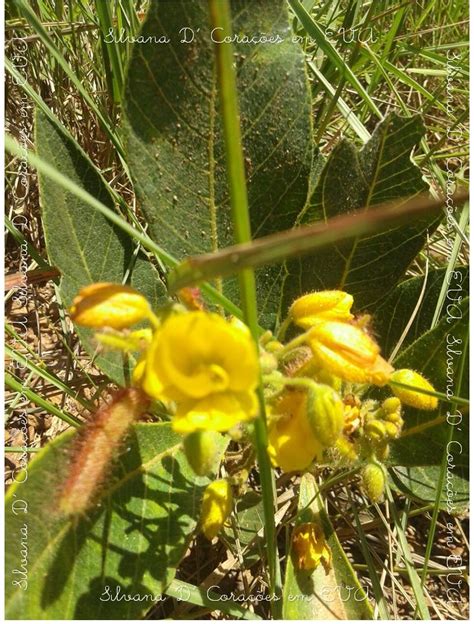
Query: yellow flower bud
[[392, 405], [200, 448], [375, 430], [109, 305], [325, 414], [392, 430], [373, 481], [309, 547], [292, 444], [332, 305], [216, 507], [412, 397], [348, 352]]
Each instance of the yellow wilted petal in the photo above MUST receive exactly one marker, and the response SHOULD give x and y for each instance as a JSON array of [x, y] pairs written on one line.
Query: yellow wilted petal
[[310, 547], [412, 397], [216, 507], [109, 305], [309, 309], [346, 351], [292, 444]]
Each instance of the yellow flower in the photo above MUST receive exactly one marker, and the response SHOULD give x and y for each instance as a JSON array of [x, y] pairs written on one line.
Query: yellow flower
[[207, 366], [309, 547], [334, 305], [109, 305], [216, 507], [292, 443], [346, 351], [412, 397]]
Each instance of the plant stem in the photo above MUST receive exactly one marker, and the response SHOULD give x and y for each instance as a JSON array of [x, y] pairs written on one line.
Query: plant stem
[[221, 18]]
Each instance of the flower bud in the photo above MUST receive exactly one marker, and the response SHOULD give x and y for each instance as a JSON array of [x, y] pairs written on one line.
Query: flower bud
[[309, 547], [392, 405], [392, 430], [325, 414], [108, 305], [201, 448], [330, 305], [375, 430], [373, 481], [412, 397], [216, 507]]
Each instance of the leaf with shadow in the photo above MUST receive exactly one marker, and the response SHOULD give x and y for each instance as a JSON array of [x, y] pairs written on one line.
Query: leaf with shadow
[[381, 172], [322, 594], [82, 243], [132, 540], [174, 134], [391, 318]]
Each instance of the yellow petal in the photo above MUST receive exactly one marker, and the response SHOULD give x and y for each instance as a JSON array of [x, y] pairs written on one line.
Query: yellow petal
[[218, 412], [324, 305], [216, 507], [109, 305]]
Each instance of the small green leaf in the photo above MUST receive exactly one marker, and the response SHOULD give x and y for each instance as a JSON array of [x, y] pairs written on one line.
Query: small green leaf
[[82, 243], [335, 594], [416, 458], [382, 171], [133, 540]]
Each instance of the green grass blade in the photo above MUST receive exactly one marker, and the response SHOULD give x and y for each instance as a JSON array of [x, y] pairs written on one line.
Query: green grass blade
[[221, 17]]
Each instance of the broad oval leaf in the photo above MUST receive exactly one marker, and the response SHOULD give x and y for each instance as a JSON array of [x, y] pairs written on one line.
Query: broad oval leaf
[[381, 171], [82, 243], [174, 135], [131, 542]]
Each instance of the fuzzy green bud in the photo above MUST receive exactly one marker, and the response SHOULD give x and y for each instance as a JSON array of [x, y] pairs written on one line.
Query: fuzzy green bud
[[325, 414], [200, 448], [373, 481]]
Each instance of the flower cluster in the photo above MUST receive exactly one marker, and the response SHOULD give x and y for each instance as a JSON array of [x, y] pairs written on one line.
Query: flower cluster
[[205, 370]]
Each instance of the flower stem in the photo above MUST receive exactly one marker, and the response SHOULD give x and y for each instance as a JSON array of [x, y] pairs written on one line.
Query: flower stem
[[221, 20]]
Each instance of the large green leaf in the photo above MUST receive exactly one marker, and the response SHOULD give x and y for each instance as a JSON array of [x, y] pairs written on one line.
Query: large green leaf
[[174, 135], [82, 243], [380, 172], [133, 539], [333, 594], [391, 318], [417, 458]]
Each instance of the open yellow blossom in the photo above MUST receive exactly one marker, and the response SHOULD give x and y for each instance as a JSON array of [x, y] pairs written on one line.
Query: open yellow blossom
[[292, 442], [412, 397], [207, 366], [310, 547], [333, 305], [216, 507], [348, 352], [109, 305]]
